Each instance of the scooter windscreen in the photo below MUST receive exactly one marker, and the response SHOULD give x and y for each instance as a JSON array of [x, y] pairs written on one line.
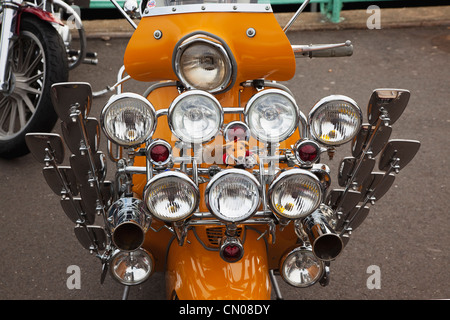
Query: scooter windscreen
[[234, 36]]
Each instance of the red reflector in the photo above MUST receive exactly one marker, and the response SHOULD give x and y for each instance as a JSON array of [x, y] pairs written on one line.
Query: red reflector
[[159, 153], [237, 132], [232, 253], [307, 152]]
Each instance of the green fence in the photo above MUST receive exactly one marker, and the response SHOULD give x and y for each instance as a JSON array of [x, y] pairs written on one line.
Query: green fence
[[330, 8], [103, 4]]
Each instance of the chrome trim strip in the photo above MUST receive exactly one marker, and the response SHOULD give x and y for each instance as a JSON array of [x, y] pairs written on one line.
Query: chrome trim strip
[[209, 7]]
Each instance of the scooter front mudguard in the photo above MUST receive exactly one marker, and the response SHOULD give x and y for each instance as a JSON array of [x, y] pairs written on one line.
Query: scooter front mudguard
[[197, 272]]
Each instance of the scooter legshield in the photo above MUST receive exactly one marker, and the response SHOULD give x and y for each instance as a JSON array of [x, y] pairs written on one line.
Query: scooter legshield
[[195, 272]]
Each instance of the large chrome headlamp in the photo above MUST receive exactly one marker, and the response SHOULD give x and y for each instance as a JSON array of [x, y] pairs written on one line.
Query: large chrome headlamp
[[295, 193], [131, 268], [171, 196], [128, 119], [272, 115], [335, 120], [300, 268], [201, 62], [195, 116], [233, 195]]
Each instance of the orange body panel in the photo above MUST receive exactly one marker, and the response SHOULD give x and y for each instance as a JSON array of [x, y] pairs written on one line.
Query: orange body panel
[[196, 273], [267, 55]]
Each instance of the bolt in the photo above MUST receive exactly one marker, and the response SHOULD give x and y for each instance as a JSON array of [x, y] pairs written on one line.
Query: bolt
[[251, 32], [157, 34]]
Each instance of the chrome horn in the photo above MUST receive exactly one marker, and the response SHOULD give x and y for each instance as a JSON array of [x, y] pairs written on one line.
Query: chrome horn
[[326, 243], [128, 221]]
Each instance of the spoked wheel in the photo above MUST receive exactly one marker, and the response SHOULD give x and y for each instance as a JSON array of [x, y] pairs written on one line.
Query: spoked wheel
[[38, 60]]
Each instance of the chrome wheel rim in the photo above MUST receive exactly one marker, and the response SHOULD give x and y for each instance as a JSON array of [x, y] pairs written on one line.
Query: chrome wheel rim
[[18, 106]]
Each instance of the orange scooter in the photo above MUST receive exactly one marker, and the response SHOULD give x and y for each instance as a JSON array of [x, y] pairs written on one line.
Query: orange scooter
[[218, 180]]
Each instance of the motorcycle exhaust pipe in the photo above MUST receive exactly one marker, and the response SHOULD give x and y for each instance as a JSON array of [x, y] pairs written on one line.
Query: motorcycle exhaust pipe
[[326, 243], [128, 221]]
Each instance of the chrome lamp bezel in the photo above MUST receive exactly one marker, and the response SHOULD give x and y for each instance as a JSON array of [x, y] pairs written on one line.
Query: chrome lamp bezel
[[295, 250], [187, 139], [321, 104], [173, 175], [202, 38], [250, 105], [286, 174], [115, 99], [217, 179]]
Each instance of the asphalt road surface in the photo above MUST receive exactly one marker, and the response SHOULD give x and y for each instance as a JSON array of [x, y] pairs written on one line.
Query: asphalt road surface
[[406, 233]]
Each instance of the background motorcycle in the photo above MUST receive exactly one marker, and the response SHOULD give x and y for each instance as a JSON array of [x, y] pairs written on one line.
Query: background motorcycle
[[35, 52]]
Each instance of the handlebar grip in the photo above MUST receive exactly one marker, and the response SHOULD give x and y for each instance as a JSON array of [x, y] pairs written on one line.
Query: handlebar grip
[[335, 52], [324, 50]]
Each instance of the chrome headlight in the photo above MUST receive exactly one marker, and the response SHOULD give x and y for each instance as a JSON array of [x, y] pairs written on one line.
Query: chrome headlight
[[233, 195], [171, 196], [295, 194], [272, 115], [131, 268], [202, 62], [195, 116], [335, 120], [128, 119], [300, 268]]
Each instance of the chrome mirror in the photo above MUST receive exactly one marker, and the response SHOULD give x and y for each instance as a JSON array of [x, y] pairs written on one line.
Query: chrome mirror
[[131, 7], [379, 139], [357, 217], [351, 200], [390, 102], [73, 208], [70, 96], [73, 137], [41, 145], [89, 198], [84, 235], [371, 137], [370, 183], [397, 154], [61, 180], [81, 166], [107, 192], [362, 170], [355, 170], [345, 170], [359, 141], [382, 187]]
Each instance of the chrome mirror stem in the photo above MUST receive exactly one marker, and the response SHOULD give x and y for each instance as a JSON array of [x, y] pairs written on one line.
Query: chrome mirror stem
[[130, 21], [294, 17]]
